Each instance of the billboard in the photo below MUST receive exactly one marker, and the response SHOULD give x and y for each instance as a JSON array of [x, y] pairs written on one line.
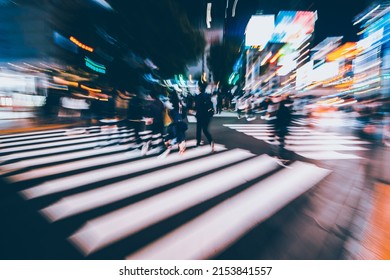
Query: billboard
[[259, 30], [293, 26]]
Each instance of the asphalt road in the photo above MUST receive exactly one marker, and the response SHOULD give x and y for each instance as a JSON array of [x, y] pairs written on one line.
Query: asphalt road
[[66, 195]]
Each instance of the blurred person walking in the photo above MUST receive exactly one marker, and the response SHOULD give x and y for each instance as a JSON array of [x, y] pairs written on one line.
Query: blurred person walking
[[281, 124], [204, 113], [176, 130], [214, 100], [155, 113], [135, 117]]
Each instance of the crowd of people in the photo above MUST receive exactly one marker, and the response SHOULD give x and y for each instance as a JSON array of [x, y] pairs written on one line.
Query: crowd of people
[[164, 113]]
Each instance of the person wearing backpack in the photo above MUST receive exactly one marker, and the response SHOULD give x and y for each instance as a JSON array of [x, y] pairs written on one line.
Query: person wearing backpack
[[204, 113]]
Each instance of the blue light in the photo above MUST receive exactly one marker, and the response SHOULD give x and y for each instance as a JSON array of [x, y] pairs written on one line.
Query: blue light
[[97, 67]]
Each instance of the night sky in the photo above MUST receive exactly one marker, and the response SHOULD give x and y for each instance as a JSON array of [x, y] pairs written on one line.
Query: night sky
[[335, 18]]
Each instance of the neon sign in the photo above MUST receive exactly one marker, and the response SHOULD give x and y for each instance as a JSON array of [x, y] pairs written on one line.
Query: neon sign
[[97, 67], [80, 45]]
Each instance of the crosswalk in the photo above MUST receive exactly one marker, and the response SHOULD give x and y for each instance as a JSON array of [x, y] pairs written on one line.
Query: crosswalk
[[102, 196], [333, 121], [307, 142]]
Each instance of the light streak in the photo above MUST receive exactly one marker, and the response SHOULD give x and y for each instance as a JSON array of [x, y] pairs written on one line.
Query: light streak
[[369, 13]]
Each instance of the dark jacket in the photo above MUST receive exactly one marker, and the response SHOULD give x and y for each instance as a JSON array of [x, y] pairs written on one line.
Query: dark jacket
[[283, 115], [135, 109], [203, 105]]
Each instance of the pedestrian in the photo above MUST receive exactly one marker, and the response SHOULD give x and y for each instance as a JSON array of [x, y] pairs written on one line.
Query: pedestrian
[[204, 114], [135, 117], [214, 100], [264, 107], [219, 102], [177, 129], [155, 113], [281, 124]]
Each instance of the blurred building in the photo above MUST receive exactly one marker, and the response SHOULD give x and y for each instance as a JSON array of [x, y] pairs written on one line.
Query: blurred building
[[372, 65], [275, 48], [24, 44]]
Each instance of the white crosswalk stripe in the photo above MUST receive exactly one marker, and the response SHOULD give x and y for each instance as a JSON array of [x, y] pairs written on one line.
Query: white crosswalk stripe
[[46, 148], [115, 194], [306, 142], [213, 231], [91, 199], [89, 177], [333, 121], [47, 133], [60, 143], [32, 140], [109, 228]]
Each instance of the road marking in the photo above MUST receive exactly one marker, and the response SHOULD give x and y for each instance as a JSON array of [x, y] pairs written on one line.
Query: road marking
[[60, 138], [71, 142], [7, 168], [217, 229], [89, 177], [326, 141], [107, 229], [304, 148], [321, 137], [328, 155], [248, 125], [308, 142], [57, 150], [53, 135], [43, 133], [17, 135], [88, 200]]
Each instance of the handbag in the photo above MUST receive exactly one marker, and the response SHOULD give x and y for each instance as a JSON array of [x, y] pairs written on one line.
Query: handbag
[[167, 118]]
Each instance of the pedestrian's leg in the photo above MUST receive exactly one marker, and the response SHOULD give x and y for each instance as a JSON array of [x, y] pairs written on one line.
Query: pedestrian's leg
[[137, 130], [198, 131], [208, 135], [206, 132], [282, 136]]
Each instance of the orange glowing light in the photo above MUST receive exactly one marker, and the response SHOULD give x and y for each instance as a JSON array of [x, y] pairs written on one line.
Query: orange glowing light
[[61, 81], [90, 89], [275, 57], [347, 50], [80, 45]]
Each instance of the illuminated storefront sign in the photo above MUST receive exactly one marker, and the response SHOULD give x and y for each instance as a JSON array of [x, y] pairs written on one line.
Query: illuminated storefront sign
[[80, 45], [97, 67], [259, 30]]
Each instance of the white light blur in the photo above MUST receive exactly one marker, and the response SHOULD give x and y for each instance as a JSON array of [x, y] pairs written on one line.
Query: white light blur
[[259, 30], [326, 71], [103, 4], [304, 75], [234, 8], [288, 63], [208, 15], [369, 13], [268, 56], [227, 6], [371, 39]]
